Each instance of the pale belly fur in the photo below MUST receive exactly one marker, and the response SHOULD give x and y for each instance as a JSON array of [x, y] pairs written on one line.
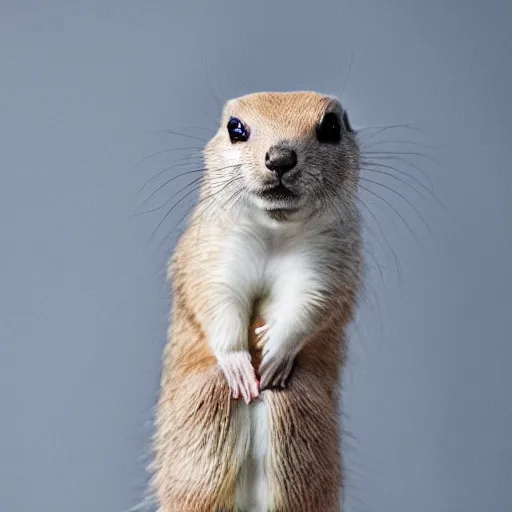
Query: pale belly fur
[[252, 492]]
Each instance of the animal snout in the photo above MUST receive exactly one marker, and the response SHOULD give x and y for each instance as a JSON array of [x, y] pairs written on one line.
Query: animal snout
[[280, 159]]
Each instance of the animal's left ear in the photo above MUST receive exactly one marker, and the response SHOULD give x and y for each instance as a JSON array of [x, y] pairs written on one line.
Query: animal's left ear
[[346, 123]]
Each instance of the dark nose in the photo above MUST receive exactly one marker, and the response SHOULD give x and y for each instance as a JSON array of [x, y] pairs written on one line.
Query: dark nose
[[280, 160]]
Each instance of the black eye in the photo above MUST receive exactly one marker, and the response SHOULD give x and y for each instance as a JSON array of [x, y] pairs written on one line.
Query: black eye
[[237, 131], [329, 129]]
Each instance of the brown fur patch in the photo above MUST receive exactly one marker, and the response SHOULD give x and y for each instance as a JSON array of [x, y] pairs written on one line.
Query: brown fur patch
[[195, 441], [304, 460]]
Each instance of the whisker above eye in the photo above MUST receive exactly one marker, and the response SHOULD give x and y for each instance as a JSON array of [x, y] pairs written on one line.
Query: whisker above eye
[[180, 134], [380, 129], [407, 142]]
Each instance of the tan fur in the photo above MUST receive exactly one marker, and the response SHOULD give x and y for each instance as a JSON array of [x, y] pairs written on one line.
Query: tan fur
[[196, 440], [279, 111]]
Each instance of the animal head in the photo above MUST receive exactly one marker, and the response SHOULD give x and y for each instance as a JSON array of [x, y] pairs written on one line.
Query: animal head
[[290, 155]]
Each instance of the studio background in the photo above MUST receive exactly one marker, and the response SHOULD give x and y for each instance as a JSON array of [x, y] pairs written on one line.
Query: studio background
[[85, 88]]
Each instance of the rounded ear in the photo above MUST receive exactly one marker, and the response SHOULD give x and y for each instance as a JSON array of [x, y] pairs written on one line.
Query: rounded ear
[[346, 123]]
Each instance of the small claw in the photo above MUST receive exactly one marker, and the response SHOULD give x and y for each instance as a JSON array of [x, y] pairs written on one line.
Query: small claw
[[240, 375], [260, 330], [275, 371]]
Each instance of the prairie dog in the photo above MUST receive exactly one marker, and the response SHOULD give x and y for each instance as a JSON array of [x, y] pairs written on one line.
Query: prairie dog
[[265, 280]]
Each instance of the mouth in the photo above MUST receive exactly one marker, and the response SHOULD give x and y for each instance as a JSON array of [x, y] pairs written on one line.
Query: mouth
[[278, 202], [278, 194]]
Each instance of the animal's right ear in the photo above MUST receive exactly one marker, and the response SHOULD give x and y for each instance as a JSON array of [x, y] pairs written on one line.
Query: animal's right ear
[[346, 123]]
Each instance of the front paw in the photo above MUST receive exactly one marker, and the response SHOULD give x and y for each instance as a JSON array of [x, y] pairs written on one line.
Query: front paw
[[240, 374], [275, 369]]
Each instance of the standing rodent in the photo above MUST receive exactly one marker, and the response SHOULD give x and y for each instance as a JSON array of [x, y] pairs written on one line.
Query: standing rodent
[[265, 280]]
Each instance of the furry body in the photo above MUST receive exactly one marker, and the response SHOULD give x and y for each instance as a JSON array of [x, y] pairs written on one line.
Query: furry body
[[237, 267]]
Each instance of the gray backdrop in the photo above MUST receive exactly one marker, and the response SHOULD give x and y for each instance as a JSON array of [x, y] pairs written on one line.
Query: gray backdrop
[[84, 88]]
